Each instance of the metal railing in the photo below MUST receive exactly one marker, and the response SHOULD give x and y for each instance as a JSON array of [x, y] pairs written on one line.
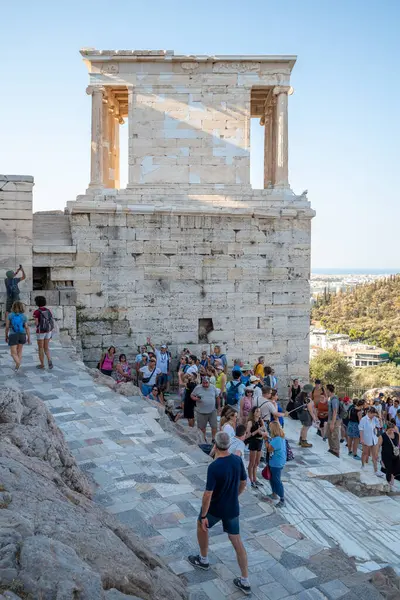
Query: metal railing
[[351, 392]]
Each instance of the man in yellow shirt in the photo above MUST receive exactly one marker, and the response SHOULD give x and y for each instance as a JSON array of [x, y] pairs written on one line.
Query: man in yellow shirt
[[259, 368]]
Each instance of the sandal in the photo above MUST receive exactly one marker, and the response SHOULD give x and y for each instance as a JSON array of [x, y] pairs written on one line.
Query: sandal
[[41, 367], [50, 364]]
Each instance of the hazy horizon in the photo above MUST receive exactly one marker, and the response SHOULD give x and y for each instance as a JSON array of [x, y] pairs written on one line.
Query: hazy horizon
[[354, 271]]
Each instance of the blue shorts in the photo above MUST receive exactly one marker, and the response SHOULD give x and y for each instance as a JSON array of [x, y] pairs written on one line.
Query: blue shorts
[[230, 526], [163, 379], [146, 389]]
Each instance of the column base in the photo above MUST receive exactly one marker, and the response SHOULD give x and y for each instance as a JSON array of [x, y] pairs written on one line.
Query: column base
[[94, 187]]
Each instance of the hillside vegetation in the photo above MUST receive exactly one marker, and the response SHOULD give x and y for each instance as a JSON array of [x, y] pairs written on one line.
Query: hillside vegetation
[[370, 313]]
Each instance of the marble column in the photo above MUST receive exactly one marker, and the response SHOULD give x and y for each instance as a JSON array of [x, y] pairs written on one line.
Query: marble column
[[268, 147], [117, 122], [111, 149], [106, 143], [281, 170], [96, 145], [131, 155]]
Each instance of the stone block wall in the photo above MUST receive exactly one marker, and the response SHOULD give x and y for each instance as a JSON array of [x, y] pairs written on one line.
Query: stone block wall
[[16, 238], [158, 274], [184, 135]]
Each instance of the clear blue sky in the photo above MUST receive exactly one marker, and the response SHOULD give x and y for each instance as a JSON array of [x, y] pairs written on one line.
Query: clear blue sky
[[343, 118]]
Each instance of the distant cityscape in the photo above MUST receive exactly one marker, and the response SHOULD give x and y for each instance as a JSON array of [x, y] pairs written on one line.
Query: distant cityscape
[[340, 280]]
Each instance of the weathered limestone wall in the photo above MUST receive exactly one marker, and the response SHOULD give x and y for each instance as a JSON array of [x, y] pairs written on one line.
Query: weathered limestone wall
[[202, 132], [157, 274], [16, 238], [17, 246]]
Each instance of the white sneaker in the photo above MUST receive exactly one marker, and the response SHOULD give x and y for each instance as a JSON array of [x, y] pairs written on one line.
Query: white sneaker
[[379, 474]]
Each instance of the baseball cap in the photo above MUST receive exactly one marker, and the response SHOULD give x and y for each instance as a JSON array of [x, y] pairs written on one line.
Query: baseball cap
[[381, 395], [308, 388], [253, 378], [205, 378], [164, 346]]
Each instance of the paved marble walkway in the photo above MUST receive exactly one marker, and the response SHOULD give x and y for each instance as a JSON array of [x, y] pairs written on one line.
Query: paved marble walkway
[[152, 480]]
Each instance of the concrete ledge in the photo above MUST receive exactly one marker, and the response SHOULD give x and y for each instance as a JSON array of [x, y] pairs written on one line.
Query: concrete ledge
[[199, 208], [16, 178]]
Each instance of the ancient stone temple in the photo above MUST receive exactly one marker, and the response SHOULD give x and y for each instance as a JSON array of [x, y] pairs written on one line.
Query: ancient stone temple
[[188, 252]]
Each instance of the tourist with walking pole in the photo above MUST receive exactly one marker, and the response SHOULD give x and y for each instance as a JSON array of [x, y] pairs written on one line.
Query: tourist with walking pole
[[226, 480]]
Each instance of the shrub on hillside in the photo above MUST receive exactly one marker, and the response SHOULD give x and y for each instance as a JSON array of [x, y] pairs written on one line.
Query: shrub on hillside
[[331, 367]]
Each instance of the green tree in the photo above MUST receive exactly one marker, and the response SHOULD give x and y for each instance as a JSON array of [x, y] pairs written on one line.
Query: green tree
[[371, 377], [331, 367]]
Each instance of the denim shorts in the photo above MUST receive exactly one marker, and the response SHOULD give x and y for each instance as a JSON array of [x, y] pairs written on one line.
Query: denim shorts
[[163, 379], [230, 526], [44, 336]]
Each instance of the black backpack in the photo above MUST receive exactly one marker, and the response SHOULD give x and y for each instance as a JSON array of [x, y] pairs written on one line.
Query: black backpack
[[46, 321]]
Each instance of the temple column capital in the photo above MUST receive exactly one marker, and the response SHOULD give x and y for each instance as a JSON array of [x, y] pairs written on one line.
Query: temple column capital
[[283, 89], [95, 89]]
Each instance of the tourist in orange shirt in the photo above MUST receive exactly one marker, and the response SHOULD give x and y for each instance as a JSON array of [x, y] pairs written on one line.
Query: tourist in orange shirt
[[259, 368]]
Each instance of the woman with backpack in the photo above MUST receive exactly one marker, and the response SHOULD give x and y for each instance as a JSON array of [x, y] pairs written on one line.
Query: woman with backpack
[[17, 332], [306, 413], [234, 391], [44, 330]]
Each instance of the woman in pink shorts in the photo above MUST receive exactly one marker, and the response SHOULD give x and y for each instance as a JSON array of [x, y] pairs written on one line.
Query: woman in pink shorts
[[44, 329]]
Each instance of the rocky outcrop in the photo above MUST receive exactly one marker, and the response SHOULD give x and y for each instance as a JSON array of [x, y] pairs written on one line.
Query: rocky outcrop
[[55, 543], [126, 389], [390, 391]]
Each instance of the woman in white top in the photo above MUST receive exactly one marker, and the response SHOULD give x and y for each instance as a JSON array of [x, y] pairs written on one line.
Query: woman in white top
[[227, 424], [228, 421], [368, 435], [149, 375], [257, 394]]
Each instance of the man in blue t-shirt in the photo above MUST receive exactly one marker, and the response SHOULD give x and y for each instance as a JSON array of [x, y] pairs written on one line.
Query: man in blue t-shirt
[[226, 480]]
